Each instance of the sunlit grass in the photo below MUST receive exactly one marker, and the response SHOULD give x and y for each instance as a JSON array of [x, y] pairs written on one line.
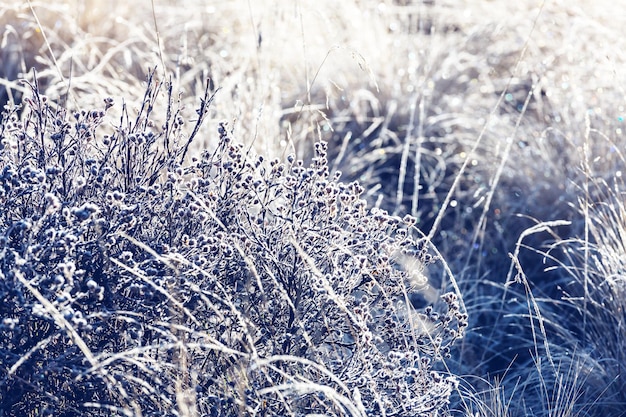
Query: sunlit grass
[[497, 126]]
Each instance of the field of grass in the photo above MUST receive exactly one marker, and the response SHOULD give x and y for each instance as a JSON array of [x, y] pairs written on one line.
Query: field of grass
[[276, 208]]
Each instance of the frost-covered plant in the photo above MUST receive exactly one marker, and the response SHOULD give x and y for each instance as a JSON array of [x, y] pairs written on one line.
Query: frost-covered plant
[[137, 281], [68, 192], [326, 285]]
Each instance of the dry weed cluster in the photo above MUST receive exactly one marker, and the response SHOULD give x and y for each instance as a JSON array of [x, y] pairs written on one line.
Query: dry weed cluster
[[414, 208]]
